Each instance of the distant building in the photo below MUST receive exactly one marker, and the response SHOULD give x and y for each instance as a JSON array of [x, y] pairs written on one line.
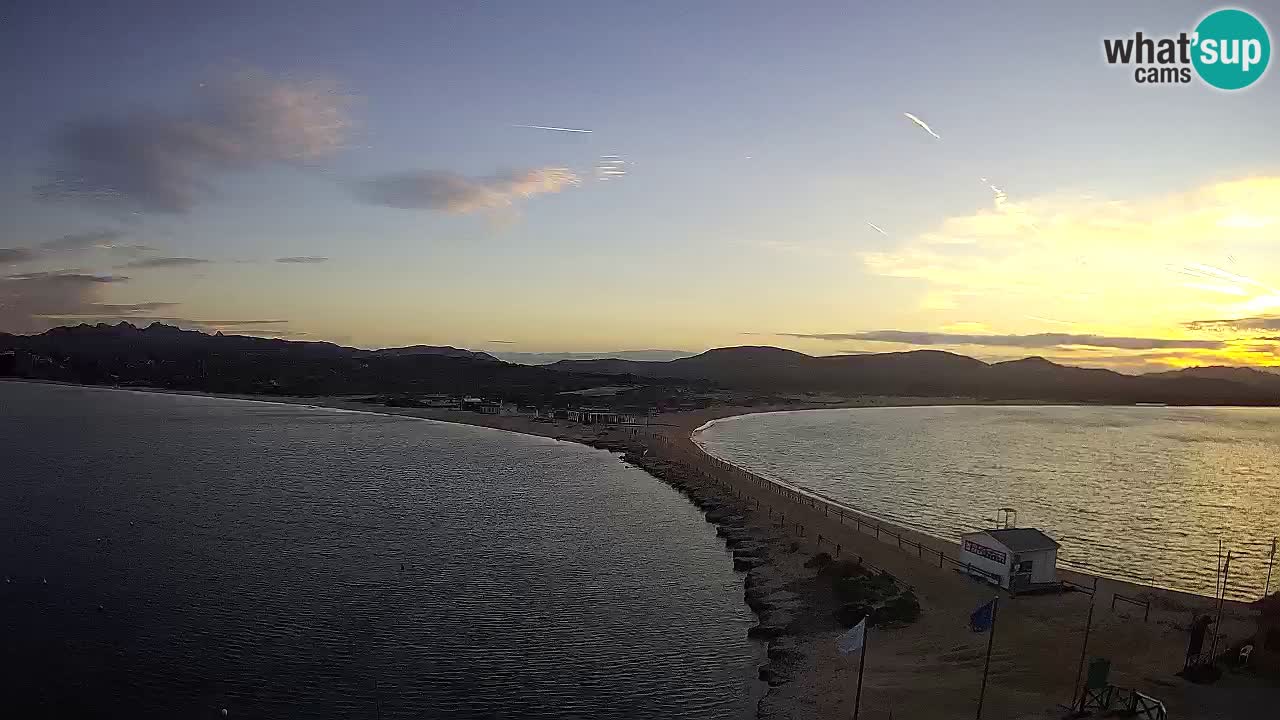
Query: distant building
[[605, 416], [1019, 558], [440, 401]]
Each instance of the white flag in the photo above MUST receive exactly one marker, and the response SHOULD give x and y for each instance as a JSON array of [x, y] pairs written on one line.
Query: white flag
[[851, 642]]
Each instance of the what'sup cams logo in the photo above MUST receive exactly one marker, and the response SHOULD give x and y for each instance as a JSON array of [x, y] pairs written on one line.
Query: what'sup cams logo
[[1229, 50]]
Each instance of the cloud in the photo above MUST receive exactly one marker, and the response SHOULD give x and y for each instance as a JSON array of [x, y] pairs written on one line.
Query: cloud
[[235, 323], [10, 256], [449, 192], [73, 242], [127, 308], [1096, 259], [25, 298], [1037, 340], [130, 251], [167, 162], [166, 262], [302, 260], [1265, 322], [83, 241], [70, 277]]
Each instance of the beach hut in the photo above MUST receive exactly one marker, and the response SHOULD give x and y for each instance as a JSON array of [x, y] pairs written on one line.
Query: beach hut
[[1016, 559]]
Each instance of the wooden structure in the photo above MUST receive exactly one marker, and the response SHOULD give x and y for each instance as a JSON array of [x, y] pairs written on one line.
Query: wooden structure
[[1019, 559]]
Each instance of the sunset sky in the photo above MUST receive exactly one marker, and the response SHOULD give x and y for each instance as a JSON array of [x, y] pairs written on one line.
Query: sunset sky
[[353, 172]]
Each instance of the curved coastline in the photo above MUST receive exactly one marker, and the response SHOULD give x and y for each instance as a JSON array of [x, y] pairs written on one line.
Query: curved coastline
[[1079, 574], [772, 536]]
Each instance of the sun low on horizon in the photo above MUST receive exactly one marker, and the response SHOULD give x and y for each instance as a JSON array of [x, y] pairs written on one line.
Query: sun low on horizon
[[596, 177]]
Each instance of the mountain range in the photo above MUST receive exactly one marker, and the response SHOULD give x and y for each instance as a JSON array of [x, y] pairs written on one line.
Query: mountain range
[[166, 356], [927, 373]]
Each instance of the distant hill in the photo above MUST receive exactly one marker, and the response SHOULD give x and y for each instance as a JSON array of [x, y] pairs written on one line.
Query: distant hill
[[938, 373], [165, 356], [443, 350], [546, 358], [1246, 376]]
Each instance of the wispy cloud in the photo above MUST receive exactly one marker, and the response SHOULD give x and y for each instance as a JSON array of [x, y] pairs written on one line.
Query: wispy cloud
[[1037, 340], [167, 162], [922, 125], [82, 241], [302, 260], [1262, 322], [449, 192], [552, 127], [74, 242], [1090, 258], [13, 256], [166, 262], [26, 297], [113, 308]]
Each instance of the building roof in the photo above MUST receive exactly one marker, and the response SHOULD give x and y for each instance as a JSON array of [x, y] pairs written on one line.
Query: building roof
[[1023, 539]]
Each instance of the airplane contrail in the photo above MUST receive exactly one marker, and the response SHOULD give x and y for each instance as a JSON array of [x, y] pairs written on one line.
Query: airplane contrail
[[549, 127], [923, 125], [877, 228]]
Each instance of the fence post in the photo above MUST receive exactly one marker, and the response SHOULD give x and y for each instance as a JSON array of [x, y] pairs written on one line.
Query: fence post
[[838, 548], [1147, 613], [899, 542], [1113, 602], [877, 532], [939, 558], [920, 548]]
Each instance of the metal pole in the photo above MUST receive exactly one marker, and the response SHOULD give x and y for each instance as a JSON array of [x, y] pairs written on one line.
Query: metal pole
[[991, 640], [1226, 571], [1083, 648], [862, 663], [1270, 564]]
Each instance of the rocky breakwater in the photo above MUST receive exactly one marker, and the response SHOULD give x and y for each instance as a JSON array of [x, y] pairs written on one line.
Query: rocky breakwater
[[797, 594]]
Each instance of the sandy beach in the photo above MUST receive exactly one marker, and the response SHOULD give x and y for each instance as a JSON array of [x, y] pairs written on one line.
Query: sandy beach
[[931, 668]]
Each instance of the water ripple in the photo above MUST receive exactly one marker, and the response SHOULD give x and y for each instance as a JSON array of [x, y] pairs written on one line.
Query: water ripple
[[1143, 494], [250, 556]]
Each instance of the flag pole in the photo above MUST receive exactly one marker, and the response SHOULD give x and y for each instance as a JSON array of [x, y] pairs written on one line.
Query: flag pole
[[862, 663], [1083, 649], [1226, 572], [991, 640]]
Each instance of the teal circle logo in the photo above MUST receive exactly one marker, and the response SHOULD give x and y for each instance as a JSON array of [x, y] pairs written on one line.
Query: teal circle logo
[[1231, 49]]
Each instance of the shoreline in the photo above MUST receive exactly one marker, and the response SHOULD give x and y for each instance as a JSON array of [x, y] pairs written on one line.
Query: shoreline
[[771, 537]]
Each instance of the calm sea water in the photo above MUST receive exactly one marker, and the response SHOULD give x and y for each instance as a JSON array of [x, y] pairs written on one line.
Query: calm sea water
[[249, 556], [1140, 493]]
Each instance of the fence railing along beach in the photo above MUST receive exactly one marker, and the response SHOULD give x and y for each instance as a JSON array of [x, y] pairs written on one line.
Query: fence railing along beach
[[710, 467]]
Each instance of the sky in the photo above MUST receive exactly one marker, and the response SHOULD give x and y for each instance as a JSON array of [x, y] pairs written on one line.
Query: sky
[[366, 173]]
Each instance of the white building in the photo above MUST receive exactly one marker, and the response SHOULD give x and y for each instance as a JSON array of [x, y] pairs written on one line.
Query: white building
[[1021, 558]]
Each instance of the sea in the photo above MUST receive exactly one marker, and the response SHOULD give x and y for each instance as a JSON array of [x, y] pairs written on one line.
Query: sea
[[179, 556], [1154, 495]]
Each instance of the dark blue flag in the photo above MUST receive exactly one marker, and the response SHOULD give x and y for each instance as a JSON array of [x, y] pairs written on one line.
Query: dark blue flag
[[980, 620]]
